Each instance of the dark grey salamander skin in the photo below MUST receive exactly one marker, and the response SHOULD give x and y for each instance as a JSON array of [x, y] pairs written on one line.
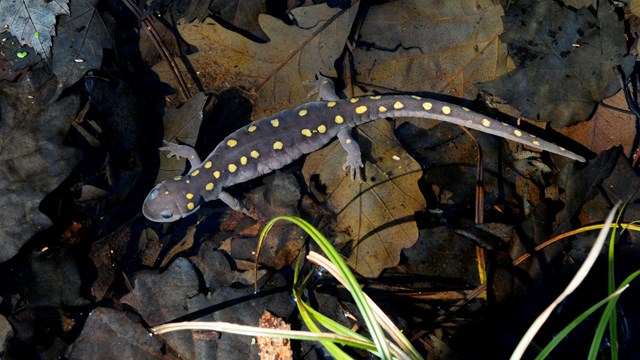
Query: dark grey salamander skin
[[278, 140]]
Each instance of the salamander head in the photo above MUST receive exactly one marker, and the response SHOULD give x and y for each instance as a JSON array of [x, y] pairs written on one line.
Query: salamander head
[[169, 201]]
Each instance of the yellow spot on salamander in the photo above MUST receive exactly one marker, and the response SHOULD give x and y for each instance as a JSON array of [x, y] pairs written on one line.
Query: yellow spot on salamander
[[353, 100], [348, 141], [189, 196], [278, 145], [209, 186], [536, 143], [416, 97], [446, 110], [275, 122], [306, 132], [322, 129], [232, 142], [562, 149], [361, 109], [216, 174], [195, 173], [465, 109], [427, 106], [252, 128], [398, 105], [303, 112], [375, 97], [243, 160], [187, 181], [486, 123], [255, 154], [331, 104], [339, 119], [517, 133], [382, 109], [191, 206], [177, 178], [208, 165], [232, 168]]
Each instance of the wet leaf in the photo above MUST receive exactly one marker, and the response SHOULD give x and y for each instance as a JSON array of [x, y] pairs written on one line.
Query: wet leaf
[[33, 21], [379, 213], [110, 334], [32, 157], [575, 50], [159, 298], [81, 37], [54, 280]]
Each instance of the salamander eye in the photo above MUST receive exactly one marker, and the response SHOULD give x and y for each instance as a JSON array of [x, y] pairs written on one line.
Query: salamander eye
[[166, 214]]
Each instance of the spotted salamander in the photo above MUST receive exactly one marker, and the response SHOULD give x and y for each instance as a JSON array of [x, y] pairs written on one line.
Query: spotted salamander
[[278, 140]]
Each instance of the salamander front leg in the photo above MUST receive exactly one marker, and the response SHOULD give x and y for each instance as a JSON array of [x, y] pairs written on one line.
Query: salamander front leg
[[183, 151], [233, 203], [354, 157], [324, 87]]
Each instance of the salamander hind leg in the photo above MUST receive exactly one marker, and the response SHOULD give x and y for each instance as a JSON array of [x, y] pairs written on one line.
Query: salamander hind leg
[[233, 203], [354, 156]]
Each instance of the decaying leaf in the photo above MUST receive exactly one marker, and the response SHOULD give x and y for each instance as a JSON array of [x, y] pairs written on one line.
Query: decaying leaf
[[163, 297], [575, 50], [32, 157], [78, 47], [275, 72], [274, 348], [377, 214], [32, 21], [110, 334]]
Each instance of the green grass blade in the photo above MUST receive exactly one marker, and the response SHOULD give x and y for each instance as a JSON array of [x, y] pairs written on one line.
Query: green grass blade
[[353, 287]]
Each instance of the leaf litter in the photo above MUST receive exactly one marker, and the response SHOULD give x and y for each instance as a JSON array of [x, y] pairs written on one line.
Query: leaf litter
[[409, 227]]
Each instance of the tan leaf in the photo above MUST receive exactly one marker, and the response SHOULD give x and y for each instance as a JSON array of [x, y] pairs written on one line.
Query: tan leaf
[[377, 214], [275, 71], [445, 47]]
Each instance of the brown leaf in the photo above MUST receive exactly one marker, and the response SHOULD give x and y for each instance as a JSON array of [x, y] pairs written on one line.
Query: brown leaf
[[607, 128], [275, 72], [377, 214], [445, 47]]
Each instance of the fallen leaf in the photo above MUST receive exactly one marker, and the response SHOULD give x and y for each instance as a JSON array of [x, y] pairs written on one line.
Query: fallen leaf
[[53, 279], [81, 37], [159, 298], [444, 47], [110, 334], [240, 305], [32, 157], [275, 71], [575, 50], [379, 213], [33, 22], [606, 128]]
